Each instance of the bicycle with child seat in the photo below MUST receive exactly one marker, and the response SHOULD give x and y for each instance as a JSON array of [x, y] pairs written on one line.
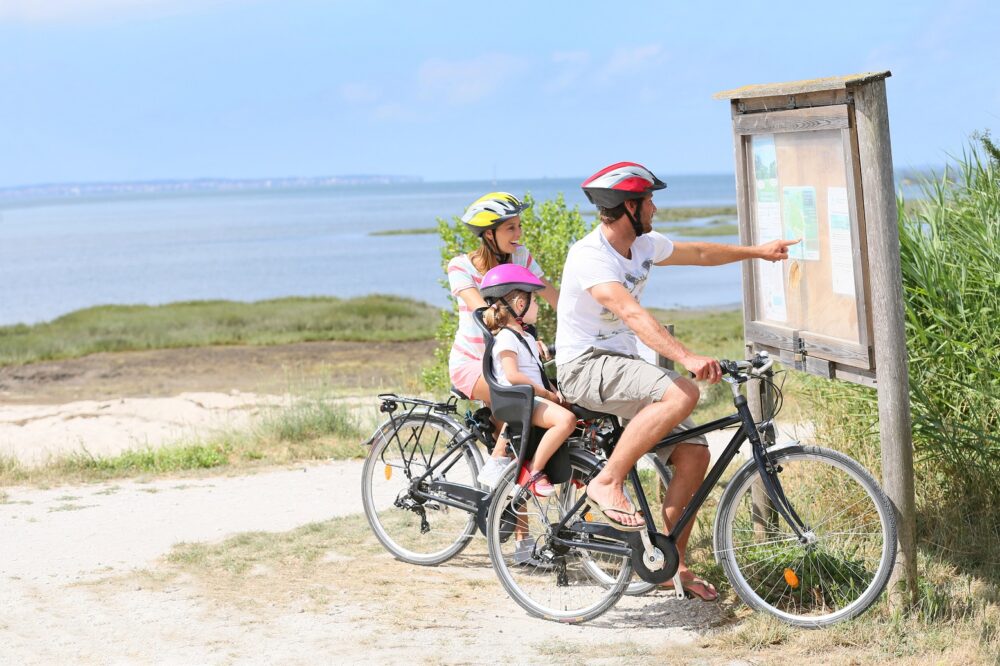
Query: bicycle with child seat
[[419, 483], [783, 550]]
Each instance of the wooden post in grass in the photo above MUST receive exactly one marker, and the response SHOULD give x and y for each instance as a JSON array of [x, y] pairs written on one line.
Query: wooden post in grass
[[888, 326], [814, 162]]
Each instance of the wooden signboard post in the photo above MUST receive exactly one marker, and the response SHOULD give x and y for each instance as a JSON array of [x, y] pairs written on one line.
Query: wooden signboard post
[[814, 161]]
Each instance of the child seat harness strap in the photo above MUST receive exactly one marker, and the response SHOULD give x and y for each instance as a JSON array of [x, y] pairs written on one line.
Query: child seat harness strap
[[545, 380]]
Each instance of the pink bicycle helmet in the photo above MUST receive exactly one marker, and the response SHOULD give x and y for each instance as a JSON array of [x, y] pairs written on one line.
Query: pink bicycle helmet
[[505, 278]]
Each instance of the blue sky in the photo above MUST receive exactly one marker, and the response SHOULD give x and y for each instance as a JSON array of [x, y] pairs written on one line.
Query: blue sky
[[104, 90]]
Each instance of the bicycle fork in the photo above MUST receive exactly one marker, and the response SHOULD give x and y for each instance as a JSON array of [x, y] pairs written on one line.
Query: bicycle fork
[[768, 473]]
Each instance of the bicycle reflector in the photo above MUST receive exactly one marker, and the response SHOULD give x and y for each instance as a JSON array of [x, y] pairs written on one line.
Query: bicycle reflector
[[791, 578], [388, 473]]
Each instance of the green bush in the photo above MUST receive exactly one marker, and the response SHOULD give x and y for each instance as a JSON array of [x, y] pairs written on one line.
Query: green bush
[[549, 229]]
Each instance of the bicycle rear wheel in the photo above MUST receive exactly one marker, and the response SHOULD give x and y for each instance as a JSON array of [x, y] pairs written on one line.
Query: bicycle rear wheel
[[568, 585], [843, 562], [414, 529]]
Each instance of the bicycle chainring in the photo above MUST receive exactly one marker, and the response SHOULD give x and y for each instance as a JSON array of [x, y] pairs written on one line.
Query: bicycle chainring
[[665, 547]]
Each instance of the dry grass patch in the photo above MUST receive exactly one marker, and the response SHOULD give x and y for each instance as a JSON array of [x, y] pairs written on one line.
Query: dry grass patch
[[334, 563]]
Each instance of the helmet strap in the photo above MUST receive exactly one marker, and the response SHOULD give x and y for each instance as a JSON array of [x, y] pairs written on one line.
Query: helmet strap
[[519, 316], [634, 219], [494, 247]]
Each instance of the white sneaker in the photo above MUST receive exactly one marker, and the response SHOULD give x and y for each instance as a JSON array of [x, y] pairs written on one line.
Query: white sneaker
[[491, 471]]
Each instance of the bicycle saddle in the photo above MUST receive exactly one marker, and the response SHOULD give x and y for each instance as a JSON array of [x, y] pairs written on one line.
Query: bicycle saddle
[[586, 414]]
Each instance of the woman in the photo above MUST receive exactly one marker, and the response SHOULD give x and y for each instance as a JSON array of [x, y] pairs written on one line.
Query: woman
[[495, 218]]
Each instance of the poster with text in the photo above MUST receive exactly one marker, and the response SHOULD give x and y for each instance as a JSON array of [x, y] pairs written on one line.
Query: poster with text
[[841, 249], [798, 207]]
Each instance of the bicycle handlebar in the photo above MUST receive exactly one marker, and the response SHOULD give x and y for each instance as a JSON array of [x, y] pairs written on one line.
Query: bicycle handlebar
[[758, 365]]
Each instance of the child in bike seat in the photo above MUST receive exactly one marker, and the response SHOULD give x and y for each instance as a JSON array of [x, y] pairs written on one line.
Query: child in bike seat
[[509, 290]]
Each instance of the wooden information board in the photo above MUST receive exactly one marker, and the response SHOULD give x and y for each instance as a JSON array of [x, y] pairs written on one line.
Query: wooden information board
[[799, 176]]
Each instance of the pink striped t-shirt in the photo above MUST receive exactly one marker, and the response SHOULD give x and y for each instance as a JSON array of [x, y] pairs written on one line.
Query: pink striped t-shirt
[[469, 345]]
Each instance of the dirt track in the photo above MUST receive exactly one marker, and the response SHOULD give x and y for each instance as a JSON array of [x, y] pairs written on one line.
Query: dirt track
[[85, 578], [176, 571]]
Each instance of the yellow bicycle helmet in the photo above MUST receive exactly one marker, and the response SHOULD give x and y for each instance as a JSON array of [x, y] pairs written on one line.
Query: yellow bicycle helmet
[[491, 210]]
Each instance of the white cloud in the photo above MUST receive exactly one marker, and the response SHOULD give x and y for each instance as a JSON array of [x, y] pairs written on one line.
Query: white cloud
[[625, 62], [469, 81], [393, 112], [359, 93], [571, 57], [570, 66], [46, 11]]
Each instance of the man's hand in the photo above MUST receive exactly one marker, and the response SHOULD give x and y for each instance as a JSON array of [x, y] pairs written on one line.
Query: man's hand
[[703, 367], [776, 250]]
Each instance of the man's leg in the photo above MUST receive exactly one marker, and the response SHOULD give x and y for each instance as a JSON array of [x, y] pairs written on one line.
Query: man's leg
[[690, 463], [648, 427]]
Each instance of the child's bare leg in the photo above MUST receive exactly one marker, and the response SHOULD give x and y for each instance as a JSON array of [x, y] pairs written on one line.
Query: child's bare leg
[[559, 423]]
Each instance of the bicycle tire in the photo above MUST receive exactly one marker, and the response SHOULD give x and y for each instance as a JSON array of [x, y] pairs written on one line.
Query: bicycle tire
[[562, 589], [850, 551], [389, 467]]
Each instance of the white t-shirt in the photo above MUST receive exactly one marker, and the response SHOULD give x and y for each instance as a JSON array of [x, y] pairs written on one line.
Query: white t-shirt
[[469, 345], [527, 361], [582, 321]]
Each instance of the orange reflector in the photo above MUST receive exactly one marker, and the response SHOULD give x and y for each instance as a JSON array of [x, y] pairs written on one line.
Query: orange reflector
[[589, 517], [388, 472], [791, 579]]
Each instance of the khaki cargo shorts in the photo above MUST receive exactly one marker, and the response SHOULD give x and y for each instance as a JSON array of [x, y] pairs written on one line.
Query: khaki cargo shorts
[[613, 383]]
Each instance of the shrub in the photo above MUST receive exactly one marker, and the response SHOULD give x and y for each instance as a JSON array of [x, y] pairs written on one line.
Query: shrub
[[550, 228], [950, 254]]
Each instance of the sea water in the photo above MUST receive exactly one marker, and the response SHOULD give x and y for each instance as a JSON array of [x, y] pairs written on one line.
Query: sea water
[[66, 254]]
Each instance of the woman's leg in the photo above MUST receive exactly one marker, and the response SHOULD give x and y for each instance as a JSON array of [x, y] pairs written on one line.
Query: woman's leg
[[482, 392], [559, 423]]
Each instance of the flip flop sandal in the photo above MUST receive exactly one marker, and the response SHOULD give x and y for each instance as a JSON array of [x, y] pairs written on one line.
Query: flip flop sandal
[[604, 509], [703, 589]]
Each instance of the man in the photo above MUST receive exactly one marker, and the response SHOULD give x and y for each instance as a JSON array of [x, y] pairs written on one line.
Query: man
[[599, 319]]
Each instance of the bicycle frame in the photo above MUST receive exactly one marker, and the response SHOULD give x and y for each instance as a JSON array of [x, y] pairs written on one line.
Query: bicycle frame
[[747, 430]]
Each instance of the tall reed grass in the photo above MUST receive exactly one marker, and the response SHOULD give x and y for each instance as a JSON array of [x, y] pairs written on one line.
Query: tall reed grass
[[950, 252]]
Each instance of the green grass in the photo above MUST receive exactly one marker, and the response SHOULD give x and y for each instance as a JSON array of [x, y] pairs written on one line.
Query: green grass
[[422, 231], [717, 227], [309, 429], [692, 212], [202, 323], [717, 333]]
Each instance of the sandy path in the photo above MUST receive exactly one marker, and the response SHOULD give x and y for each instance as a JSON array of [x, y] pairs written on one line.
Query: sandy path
[[34, 434], [79, 583]]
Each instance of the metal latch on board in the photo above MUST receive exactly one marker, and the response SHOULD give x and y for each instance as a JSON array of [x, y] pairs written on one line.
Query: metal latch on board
[[799, 354]]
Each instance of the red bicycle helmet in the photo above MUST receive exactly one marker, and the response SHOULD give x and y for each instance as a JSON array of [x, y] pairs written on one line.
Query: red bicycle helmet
[[613, 185]]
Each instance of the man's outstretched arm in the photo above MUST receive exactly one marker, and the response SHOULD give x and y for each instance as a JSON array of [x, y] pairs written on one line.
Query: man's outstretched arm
[[716, 254]]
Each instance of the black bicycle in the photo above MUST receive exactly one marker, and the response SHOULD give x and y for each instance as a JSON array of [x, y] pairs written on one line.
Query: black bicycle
[[802, 532], [419, 482]]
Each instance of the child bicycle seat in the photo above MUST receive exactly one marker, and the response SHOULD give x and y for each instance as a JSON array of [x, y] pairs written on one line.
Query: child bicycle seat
[[513, 405]]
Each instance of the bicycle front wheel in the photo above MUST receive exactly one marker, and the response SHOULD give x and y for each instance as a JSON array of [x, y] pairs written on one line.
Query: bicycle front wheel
[[843, 561], [416, 529], [549, 581]]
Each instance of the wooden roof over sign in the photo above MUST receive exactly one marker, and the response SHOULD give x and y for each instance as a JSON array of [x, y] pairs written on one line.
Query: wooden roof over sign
[[798, 87]]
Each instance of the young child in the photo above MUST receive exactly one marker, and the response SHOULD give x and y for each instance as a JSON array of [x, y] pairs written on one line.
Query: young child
[[509, 290]]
